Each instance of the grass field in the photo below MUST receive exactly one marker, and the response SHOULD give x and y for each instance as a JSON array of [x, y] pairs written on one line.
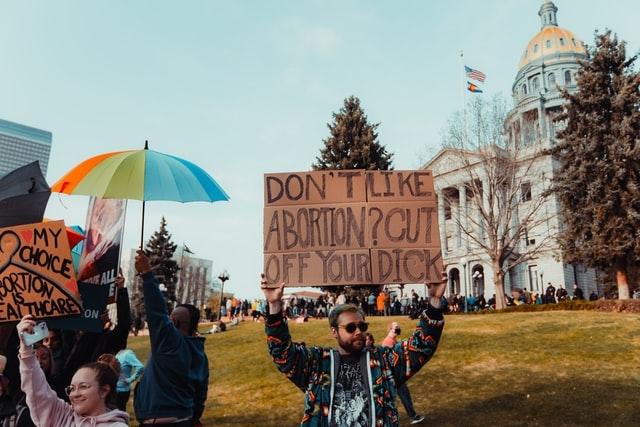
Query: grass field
[[551, 368]]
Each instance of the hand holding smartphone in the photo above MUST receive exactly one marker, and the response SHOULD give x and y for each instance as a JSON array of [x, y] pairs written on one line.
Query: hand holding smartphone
[[40, 332]]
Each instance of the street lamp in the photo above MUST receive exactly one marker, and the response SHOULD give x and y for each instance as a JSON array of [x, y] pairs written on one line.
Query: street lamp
[[223, 277], [463, 261], [476, 281]]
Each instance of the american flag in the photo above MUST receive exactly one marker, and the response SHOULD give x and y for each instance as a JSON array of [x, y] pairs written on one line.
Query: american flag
[[475, 74]]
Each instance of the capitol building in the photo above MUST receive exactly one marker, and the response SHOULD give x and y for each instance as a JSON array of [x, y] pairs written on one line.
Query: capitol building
[[548, 63]]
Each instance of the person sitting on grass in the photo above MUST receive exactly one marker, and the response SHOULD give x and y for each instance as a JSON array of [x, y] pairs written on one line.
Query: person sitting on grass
[[339, 384]]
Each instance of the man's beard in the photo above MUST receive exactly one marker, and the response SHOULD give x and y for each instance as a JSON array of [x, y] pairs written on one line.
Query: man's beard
[[353, 346]]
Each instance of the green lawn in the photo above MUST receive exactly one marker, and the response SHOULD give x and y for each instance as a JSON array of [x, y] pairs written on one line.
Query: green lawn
[[550, 368]]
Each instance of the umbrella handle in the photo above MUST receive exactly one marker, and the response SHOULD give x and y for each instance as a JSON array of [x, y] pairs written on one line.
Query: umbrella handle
[[142, 232], [146, 147]]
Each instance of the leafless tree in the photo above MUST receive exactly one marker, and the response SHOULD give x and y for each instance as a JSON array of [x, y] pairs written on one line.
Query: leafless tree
[[501, 220]]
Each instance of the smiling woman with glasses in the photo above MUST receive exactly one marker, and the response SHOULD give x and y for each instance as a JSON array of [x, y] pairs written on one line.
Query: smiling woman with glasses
[[92, 392]]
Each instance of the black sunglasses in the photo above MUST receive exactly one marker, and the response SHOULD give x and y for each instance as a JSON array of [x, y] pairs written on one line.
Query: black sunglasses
[[351, 327]]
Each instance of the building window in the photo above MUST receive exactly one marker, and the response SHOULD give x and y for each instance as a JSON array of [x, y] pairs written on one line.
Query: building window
[[552, 80], [567, 77], [535, 48], [527, 240], [525, 190], [535, 84], [524, 89], [548, 44], [561, 41]]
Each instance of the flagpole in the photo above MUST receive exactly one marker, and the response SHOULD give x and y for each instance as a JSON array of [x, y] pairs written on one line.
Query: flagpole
[[463, 98]]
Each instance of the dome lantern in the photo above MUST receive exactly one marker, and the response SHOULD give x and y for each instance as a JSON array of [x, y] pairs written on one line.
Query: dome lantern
[[552, 42], [547, 14]]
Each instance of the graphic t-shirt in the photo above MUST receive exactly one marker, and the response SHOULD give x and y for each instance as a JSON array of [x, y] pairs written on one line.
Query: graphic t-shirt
[[351, 404]]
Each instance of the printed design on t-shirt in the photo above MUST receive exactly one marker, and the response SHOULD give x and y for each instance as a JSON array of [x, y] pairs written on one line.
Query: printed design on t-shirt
[[350, 403]]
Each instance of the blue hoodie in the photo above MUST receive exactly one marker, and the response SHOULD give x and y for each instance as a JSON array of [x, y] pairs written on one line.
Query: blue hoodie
[[130, 369], [176, 378]]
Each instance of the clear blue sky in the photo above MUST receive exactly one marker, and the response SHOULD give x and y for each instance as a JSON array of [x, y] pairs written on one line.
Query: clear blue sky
[[246, 87]]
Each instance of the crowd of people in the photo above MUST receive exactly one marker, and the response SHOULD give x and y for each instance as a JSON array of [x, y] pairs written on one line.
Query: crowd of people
[[373, 303], [552, 295], [86, 379], [387, 302], [78, 378]]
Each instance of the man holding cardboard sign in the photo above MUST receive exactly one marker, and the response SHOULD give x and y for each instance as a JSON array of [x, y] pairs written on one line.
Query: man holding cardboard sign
[[339, 384], [351, 227]]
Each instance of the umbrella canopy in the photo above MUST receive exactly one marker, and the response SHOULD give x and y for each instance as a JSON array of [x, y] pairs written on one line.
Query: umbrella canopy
[[24, 194], [140, 175]]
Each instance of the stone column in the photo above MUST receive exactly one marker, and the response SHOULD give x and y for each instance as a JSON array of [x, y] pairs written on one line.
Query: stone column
[[442, 223], [462, 191], [459, 223]]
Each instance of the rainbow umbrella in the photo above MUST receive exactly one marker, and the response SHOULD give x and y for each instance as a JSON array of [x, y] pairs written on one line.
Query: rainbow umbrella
[[141, 175]]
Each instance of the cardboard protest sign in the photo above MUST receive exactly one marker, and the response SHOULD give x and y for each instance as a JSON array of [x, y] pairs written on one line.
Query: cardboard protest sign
[[36, 272], [94, 303], [100, 258], [351, 227]]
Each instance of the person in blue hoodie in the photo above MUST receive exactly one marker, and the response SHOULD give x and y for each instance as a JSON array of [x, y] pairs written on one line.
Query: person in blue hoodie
[[173, 389], [131, 369]]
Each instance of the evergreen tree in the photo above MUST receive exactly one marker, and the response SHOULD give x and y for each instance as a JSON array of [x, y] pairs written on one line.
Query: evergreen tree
[[598, 182], [353, 142], [160, 251]]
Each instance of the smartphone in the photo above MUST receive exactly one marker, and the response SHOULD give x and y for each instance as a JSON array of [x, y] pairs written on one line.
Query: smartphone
[[40, 332]]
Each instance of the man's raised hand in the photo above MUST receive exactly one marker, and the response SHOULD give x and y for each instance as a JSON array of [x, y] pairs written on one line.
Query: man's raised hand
[[142, 262], [436, 290], [273, 295]]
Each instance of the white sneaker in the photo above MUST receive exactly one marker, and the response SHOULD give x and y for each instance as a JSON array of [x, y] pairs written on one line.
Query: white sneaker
[[417, 419]]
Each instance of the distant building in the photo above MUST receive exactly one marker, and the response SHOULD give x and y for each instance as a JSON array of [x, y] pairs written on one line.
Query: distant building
[[195, 278], [549, 62], [21, 145], [195, 282]]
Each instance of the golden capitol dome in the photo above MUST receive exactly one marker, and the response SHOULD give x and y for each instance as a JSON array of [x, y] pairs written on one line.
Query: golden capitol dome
[[551, 40]]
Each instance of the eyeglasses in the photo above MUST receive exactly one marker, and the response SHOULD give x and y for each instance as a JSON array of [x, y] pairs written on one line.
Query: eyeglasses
[[80, 387], [351, 327]]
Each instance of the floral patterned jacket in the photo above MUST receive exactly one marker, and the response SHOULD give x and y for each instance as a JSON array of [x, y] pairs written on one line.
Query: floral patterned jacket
[[313, 369]]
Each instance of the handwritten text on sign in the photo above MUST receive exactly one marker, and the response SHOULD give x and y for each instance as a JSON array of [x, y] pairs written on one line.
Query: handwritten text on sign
[[351, 227], [36, 272]]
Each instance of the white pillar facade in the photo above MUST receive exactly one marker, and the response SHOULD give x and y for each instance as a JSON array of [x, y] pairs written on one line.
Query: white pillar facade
[[442, 223], [462, 191]]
